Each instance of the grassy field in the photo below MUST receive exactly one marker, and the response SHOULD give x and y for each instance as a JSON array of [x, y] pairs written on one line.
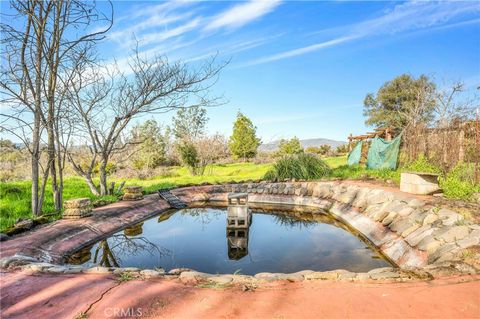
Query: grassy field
[[15, 196]]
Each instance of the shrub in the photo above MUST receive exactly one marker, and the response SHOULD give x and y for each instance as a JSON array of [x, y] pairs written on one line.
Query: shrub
[[460, 183], [299, 166], [190, 158], [421, 164]]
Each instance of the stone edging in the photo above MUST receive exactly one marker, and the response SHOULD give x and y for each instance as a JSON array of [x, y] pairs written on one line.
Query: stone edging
[[426, 242]]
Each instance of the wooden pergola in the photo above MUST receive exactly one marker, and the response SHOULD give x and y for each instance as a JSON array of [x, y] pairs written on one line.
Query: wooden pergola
[[384, 132]]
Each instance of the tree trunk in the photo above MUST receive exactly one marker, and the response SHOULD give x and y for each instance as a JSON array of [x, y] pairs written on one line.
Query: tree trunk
[[35, 164], [52, 165], [91, 185], [103, 178]]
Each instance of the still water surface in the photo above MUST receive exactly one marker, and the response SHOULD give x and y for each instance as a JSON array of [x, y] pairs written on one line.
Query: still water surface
[[199, 239]]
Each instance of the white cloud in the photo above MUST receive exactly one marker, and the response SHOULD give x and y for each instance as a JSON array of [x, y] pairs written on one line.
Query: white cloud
[[242, 14], [299, 51], [406, 17]]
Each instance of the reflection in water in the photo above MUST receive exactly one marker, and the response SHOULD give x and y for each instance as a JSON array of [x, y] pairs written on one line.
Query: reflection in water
[[108, 252], [239, 219], [134, 230], [273, 240], [81, 256]]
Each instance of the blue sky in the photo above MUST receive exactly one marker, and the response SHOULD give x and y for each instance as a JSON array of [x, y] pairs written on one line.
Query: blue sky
[[303, 68]]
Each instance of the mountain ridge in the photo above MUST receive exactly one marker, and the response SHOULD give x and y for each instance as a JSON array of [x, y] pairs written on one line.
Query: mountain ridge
[[273, 146]]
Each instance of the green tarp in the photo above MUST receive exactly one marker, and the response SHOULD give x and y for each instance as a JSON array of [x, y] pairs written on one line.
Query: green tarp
[[355, 154], [383, 154]]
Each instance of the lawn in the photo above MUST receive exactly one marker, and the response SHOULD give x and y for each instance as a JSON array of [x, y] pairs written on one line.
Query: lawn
[[15, 196]]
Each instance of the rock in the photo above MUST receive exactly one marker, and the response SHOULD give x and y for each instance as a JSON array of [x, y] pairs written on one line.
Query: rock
[[77, 213], [133, 189], [441, 250], [74, 270], [97, 270], [324, 275], [415, 203], [322, 190], [415, 237], [389, 219], [398, 207], [410, 229], [178, 271], [385, 275], [57, 269], [362, 276], [303, 191], [119, 271], [442, 271], [380, 270], [4, 237], [400, 225], [291, 277], [149, 273], [429, 243], [266, 276], [37, 267], [449, 217], [20, 227], [347, 276], [453, 234], [16, 260], [430, 218], [193, 276], [468, 241], [378, 197], [77, 203], [221, 280], [347, 198], [380, 215]]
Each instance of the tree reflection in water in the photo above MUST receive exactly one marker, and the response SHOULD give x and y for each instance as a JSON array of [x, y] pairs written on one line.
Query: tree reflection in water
[[109, 251], [200, 215]]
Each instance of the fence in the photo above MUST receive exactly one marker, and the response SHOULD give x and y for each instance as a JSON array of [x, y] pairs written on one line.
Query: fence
[[444, 147]]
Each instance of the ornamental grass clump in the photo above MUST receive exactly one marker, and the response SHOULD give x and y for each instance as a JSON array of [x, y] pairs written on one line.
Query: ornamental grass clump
[[298, 166]]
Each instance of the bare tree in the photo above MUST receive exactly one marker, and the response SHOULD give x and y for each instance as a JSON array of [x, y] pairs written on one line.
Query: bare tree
[[451, 106], [105, 100], [39, 42]]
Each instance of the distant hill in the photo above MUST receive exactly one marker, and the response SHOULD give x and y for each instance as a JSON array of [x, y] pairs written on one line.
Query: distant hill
[[273, 146]]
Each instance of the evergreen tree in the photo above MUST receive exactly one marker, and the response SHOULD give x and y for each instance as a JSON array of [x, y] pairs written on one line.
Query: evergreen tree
[[243, 142], [401, 102]]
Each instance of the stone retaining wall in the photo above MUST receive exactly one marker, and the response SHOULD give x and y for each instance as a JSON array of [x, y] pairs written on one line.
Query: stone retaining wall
[[424, 241], [406, 229]]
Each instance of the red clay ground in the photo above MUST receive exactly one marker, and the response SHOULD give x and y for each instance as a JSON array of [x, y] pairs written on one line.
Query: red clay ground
[[100, 296]]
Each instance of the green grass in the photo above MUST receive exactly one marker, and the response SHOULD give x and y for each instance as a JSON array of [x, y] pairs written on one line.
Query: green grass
[[15, 196], [336, 161]]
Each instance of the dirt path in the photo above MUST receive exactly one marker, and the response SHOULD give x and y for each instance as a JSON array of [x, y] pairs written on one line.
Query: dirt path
[[100, 296]]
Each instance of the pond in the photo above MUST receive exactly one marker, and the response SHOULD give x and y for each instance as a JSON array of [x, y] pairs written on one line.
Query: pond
[[200, 239]]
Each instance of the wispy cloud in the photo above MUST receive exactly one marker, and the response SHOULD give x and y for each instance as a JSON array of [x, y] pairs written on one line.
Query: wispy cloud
[[300, 51], [406, 17], [242, 14]]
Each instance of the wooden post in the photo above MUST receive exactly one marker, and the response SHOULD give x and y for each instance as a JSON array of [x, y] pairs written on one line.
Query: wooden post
[[461, 140], [350, 142], [388, 134]]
